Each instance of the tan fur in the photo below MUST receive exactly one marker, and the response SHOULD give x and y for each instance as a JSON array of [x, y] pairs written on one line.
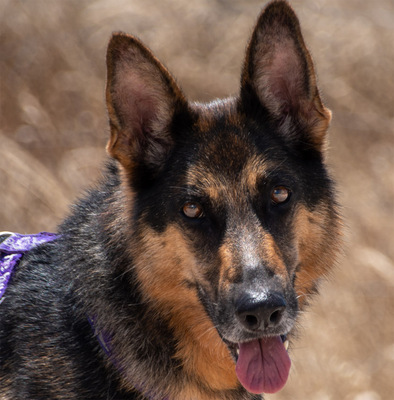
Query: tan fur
[[163, 271], [228, 269], [318, 246]]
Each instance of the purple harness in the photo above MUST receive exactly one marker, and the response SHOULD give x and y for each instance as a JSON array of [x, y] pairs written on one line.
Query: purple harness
[[12, 248]]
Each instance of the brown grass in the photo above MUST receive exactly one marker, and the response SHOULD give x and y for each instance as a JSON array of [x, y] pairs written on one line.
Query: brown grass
[[54, 129]]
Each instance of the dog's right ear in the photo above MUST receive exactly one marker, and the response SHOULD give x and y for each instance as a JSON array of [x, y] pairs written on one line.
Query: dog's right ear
[[142, 98]]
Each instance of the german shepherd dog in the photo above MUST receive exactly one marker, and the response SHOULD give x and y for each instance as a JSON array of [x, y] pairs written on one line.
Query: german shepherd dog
[[182, 274]]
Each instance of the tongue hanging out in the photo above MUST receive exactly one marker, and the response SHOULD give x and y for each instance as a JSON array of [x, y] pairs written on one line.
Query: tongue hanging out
[[263, 365]]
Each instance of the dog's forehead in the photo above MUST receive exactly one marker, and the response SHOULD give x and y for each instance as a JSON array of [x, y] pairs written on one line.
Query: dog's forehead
[[227, 167], [231, 157], [226, 157]]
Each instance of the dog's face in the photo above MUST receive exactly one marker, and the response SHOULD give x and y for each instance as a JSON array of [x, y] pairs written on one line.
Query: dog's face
[[232, 208]]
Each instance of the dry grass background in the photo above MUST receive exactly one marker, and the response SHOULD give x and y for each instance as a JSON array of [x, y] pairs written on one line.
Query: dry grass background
[[54, 128]]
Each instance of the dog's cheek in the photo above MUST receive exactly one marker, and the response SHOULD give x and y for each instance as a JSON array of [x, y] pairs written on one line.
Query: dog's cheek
[[168, 274], [163, 263], [317, 248], [165, 269]]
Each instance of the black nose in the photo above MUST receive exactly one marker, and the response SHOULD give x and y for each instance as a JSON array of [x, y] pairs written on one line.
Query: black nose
[[260, 311]]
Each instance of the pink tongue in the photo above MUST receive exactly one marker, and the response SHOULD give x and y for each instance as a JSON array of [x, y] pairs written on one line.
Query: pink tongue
[[263, 365]]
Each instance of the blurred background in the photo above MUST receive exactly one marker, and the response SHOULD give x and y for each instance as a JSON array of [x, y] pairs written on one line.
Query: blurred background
[[53, 133]]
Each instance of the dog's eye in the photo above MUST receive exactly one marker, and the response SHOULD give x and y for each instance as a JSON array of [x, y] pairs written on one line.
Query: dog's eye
[[192, 210], [280, 195]]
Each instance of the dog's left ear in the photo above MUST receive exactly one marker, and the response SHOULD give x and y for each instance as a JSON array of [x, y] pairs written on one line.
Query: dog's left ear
[[142, 99], [278, 73]]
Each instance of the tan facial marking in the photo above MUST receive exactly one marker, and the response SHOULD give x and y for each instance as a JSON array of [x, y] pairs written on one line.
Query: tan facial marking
[[317, 250], [273, 257], [165, 264]]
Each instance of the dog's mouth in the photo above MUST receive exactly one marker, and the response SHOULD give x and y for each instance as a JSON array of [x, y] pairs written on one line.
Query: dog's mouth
[[262, 365]]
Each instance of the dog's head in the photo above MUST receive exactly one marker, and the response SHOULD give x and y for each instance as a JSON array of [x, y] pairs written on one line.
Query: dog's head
[[233, 212]]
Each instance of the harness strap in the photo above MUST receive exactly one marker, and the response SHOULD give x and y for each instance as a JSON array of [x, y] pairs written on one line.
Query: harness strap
[[12, 247]]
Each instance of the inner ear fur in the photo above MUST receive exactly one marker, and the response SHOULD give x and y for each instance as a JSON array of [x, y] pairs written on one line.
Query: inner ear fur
[[279, 70], [142, 98]]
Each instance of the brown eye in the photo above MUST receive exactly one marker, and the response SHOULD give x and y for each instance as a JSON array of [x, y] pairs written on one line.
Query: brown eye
[[280, 194], [192, 210]]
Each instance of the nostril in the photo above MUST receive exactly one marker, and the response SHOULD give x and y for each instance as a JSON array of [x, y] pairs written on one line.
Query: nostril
[[251, 321], [276, 316]]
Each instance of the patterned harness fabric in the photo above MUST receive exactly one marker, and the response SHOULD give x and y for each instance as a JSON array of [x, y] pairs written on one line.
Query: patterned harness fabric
[[12, 248]]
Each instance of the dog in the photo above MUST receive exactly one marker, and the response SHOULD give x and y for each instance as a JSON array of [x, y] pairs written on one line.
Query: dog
[[181, 275]]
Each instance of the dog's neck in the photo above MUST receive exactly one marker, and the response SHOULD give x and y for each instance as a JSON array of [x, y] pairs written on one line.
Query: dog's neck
[[13, 246], [104, 340]]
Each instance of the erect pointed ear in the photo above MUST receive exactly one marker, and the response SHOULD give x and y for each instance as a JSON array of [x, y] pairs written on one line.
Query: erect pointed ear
[[142, 99], [279, 71]]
